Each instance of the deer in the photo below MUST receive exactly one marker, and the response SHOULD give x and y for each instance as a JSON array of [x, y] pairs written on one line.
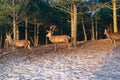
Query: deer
[[18, 43], [55, 39], [112, 36]]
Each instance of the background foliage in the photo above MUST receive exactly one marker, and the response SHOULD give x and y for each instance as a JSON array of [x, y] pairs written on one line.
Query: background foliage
[[47, 14]]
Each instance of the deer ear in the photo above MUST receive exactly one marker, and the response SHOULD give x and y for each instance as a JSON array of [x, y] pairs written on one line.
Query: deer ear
[[105, 29], [47, 31]]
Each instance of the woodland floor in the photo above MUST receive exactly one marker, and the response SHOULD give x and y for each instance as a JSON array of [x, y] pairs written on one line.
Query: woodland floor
[[91, 60]]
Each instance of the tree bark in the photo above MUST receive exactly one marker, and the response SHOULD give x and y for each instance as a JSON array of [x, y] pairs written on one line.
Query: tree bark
[[17, 33], [35, 32], [26, 25], [73, 25], [96, 23], [14, 23], [114, 16], [37, 37], [93, 32], [84, 30]]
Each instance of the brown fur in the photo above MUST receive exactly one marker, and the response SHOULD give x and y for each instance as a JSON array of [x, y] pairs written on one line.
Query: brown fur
[[19, 43], [58, 39], [112, 36]]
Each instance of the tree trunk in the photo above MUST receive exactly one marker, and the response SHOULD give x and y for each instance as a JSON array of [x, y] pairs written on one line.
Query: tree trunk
[[93, 32], [35, 32], [114, 16], [37, 37], [96, 27], [14, 23], [73, 25], [26, 25], [17, 33], [110, 28], [84, 30]]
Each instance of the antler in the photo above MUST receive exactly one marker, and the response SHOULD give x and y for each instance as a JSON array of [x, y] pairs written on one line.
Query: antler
[[10, 32], [52, 28]]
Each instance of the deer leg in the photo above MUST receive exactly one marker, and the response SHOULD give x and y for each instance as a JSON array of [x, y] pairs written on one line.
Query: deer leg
[[111, 42], [114, 42], [67, 44], [15, 49], [30, 49], [24, 50], [55, 47]]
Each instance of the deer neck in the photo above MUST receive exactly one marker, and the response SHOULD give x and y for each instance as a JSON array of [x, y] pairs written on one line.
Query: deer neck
[[50, 36], [10, 41], [108, 34]]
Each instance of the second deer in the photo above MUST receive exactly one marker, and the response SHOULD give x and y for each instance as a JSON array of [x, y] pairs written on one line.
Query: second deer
[[57, 38], [112, 36], [19, 43]]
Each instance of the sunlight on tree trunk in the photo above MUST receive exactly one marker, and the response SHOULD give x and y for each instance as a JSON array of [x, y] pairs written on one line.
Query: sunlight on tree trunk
[[15, 27], [14, 24], [114, 16], [84, 30], [96, 23], [93, 32], [73, 25]]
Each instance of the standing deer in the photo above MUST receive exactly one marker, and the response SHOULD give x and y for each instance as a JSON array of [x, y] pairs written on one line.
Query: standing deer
[[19, 43], [57, 38], [112, 36]]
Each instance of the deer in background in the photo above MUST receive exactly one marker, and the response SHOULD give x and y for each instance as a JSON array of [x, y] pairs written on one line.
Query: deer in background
[[57, 38], [19, 43], [112, 36]]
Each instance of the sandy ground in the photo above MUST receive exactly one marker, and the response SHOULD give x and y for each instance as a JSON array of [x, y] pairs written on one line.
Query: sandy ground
[[92, 60]]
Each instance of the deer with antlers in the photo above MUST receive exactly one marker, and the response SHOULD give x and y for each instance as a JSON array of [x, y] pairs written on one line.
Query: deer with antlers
[[19, 43], [57, 38], [112, 36]]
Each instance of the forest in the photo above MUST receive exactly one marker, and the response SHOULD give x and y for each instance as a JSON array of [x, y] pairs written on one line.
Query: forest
[[31, 32], [81, 19]]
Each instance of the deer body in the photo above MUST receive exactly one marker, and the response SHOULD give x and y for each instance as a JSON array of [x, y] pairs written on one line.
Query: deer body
[[19, 43], [112, 36], [58, 39]]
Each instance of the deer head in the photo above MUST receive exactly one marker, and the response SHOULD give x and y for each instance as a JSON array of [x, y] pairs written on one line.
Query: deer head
[[52, 28], [106, 31]]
